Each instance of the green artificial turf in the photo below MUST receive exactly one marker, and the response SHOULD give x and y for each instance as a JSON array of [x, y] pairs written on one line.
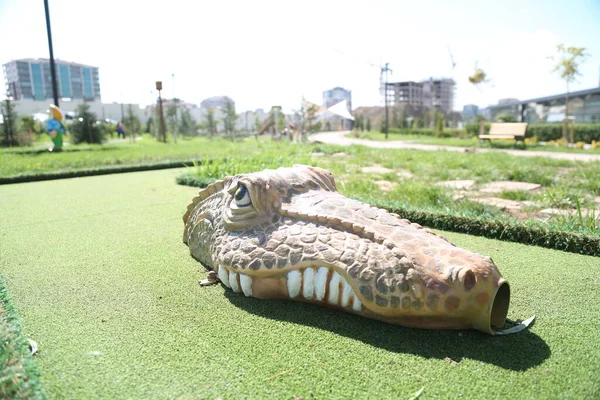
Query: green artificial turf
[[102, 281]]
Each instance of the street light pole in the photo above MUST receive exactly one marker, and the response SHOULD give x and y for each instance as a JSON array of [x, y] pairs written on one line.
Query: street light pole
[[52, 64], [161, 127], [175, 127], [385, 91]]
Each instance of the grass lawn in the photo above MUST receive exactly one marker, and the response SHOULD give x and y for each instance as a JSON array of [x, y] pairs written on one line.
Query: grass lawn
[[413, 174], [98, 273], [35, 160], [468, 142]]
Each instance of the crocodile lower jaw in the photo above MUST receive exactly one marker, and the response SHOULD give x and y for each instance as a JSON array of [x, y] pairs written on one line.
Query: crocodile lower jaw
[[315, 284]]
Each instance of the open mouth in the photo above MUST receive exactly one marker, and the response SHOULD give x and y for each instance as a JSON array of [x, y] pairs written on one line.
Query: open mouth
[[318, 283]]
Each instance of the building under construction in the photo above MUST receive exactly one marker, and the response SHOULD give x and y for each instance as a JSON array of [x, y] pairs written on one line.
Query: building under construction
[[434, 92]]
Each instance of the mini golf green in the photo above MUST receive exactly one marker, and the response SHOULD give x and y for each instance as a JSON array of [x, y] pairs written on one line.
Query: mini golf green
[[96, 269]]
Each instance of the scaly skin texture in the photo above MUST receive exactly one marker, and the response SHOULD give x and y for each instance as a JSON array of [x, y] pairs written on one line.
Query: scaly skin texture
[[288, 234]]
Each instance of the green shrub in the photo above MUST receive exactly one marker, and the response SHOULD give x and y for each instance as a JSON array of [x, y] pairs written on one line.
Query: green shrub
[[473, 129], [84, 127], [546, 132], [446, 133]]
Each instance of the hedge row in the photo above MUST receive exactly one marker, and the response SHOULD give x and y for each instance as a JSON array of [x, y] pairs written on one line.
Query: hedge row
[[96, 171], [511, 231], [546, 132], [194, 180], [447, 132]]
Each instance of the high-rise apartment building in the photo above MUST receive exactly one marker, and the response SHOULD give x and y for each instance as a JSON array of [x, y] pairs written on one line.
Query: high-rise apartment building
[[437, 93], [31, 79]]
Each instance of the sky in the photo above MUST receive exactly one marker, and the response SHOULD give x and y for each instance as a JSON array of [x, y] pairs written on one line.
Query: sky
[[263, 53]]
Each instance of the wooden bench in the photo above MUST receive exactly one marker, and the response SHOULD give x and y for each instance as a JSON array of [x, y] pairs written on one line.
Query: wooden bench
[[511, 130]]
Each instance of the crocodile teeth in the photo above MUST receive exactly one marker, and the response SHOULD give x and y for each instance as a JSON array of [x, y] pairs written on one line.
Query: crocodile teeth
[[224, 276], [319, 284], [294, 282], [233, 281], [334, 288], [356, 305], [246, 283], [308, 288], [346, 294]]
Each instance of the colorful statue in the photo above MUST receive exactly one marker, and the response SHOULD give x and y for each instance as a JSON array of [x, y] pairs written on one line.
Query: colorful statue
[[289, 234], [55, 128]]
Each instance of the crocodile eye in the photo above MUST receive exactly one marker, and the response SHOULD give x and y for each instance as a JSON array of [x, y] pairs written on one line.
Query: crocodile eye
[[242, 197]]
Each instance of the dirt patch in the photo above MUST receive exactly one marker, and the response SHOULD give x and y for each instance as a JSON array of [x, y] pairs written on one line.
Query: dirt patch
[[376, 169], [405, 174], [503, 204], [342, 154], [385, 186], [458, 184], [503, 186]]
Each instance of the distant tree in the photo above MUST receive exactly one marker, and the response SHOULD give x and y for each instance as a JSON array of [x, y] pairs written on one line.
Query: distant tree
[[479, 76], [395, 119], [257, 124], [187, 125], [327, 126], [505, 118], [229, 118], [28, 124], [132, 123], [439, 124], [311, 118], [416, 123], [84, 127], [368, 124], [211, 122], [28, 127], [9, 124], [172, 120], [403, 121], [149, 124], [567, 61], [358, 122]]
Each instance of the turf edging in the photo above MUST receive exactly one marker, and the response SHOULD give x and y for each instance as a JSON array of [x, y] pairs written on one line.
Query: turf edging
[[511, 231], [19, 375], [96, 171]]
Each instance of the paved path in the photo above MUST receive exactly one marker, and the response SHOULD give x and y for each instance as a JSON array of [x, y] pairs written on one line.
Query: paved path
[[339, 139]]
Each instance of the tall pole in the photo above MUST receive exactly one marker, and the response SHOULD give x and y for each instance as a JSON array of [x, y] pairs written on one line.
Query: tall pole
[[385, 91], [52, 64], [175, 126], [161, 128]]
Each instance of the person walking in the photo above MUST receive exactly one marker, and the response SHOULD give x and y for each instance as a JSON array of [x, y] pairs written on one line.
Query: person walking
[[120, 130]]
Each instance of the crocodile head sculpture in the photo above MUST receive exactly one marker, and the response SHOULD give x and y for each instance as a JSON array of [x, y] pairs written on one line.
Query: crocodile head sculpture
[[288, 234]]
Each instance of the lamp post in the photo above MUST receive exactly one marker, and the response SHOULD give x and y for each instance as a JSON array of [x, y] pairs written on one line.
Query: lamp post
[[161, 127], [175, 125], [52, 64]]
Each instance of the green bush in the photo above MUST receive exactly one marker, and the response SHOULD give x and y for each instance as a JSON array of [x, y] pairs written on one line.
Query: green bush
[[446, 133], [84, 127], [473, 129], [546, 132]]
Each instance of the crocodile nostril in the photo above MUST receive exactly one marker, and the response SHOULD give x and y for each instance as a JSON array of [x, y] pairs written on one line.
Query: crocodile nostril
[[468, 279]]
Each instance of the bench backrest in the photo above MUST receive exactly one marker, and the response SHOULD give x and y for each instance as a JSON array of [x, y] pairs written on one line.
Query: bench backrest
[[509, 128]]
